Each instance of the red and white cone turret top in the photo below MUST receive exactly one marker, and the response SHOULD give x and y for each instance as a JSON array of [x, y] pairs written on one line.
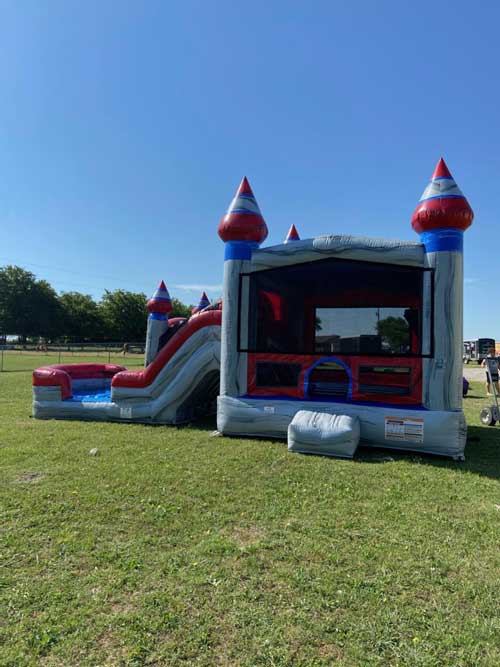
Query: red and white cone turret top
[[292, 235], [442, 204], [243, 220], [203, 303], [160, 303]]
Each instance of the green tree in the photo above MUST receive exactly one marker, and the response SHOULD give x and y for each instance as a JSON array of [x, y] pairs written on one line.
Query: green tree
[[395, 331], [124, 315], [81, 317], [48, 317], [28, 307], [180, 309]]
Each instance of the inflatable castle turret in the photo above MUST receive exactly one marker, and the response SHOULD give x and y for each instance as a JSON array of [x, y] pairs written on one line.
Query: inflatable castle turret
[[242, 229], [292, 235], [159, 306], [440, 218], [203, 303]]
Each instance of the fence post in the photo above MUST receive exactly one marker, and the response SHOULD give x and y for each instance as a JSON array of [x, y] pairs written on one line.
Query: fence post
[[59, 358], [109, 356], [1, 362]]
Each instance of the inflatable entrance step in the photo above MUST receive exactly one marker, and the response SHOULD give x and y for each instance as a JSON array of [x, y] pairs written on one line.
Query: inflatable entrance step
[[322, 433]]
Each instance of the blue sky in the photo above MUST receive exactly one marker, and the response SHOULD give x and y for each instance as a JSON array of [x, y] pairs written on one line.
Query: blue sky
[[125, 128]]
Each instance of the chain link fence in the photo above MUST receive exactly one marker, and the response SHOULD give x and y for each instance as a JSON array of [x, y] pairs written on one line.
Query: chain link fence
[[17, 357]]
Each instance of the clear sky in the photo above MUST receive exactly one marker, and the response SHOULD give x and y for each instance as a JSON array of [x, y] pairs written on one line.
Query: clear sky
[[126, 126]]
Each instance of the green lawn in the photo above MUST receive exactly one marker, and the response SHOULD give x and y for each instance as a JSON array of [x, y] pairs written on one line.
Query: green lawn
[[172, 547], [17, 360]]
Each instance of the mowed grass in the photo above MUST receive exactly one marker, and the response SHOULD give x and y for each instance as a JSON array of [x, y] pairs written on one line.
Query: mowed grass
[[26, 360], [172, 547]]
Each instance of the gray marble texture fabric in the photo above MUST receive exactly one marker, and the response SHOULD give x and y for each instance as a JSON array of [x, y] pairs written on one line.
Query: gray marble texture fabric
[[442, 374], [342, 246], [321, 433], [156, 329], [430, 431], [233, 377]]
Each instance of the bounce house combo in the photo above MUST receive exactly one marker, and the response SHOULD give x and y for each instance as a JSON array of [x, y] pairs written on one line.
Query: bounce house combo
[[330, 341]]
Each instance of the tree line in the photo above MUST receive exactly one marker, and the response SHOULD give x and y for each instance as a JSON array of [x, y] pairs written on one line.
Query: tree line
[[31, 308]]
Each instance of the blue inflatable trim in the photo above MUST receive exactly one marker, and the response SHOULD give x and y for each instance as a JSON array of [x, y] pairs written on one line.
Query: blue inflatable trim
[[327, 399], [438, 240], [325, 360], [239, 249]]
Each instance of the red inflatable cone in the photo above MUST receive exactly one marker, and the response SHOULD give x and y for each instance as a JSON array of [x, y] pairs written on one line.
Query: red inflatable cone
[[243, 220], [442, 204]]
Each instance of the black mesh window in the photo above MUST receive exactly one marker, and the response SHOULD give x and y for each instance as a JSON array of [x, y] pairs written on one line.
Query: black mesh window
[[338, 306], [277, 375], [363, 330]]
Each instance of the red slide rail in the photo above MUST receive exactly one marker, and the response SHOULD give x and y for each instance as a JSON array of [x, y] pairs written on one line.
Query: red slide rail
[[145, 377]]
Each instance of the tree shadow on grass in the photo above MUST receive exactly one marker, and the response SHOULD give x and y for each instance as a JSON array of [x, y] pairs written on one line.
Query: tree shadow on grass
[[482, 454], [208, 423]]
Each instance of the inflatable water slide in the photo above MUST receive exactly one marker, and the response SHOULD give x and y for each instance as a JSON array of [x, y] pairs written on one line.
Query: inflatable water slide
[[180, 381]]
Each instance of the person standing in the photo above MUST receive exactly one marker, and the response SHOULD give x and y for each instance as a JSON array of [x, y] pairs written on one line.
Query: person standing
[[491, 363]]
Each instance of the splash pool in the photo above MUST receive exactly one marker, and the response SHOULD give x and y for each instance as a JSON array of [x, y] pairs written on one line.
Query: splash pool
[[86, 396]]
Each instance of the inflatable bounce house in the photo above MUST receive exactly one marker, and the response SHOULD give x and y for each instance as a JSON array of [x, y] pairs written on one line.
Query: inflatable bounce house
[[336, 338]]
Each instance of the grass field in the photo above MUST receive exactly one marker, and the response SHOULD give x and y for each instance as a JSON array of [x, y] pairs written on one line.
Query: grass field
[[19, 360], [172, 547]]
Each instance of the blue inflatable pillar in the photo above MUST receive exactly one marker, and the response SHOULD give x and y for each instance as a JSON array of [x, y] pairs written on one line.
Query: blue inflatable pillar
[[242, 229], [441, 217]]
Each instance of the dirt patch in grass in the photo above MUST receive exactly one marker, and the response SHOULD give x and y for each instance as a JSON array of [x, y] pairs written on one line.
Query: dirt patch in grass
[[30, 477], [330, 651], [123, 608], [246, 536], [223, 657], [112, 647]]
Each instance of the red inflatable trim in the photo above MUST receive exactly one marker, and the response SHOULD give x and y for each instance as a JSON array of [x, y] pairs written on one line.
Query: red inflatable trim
[[441, 170], [53, 377], [145, 377], [354, 363], [60, 375], [242, 227], [454, 213]]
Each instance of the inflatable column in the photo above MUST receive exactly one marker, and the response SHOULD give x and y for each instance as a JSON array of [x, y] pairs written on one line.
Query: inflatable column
[[242, 229], [441, 217], [159, 306], [203, 303]]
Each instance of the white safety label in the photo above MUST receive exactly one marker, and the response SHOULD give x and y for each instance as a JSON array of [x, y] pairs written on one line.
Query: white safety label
[[408, 429], [269, 409], [126, 413]]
